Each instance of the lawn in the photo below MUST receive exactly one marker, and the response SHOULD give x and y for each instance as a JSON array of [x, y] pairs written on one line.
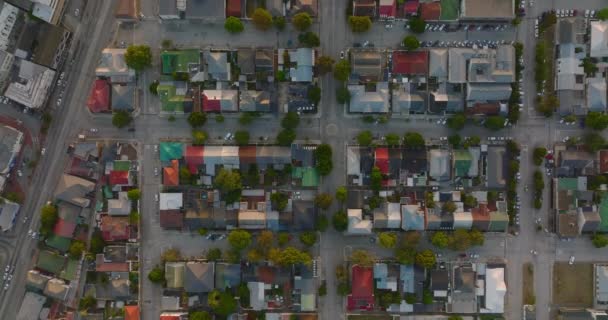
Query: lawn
[[573, 285], [449, 10], [528, 284]]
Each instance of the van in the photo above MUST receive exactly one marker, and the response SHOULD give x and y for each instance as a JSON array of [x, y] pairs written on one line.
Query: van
[[81, 136]]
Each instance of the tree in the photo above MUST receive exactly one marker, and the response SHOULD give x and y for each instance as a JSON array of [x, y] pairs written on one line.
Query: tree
[[157, 275], [308, 238], [138, 57], [279, 201], [121, 119], [279, 22], [457, 121], [589, 67], [410, 239], [469, 200], [495, 122], [214, 254], [340, 221], [229, 183], [393, 140], [426, 259], [405, 255], [599, 240], [413, 140], [323, 159], [171, 118], [417, 25], [454, 140], [234, 25], [97, 243], [548, 105], [286, 137], [197, 119], [323, 200], [261, 19], [476, 237], [411, 43], [133, 217], [283, 238], [309, 39], [359, 23], [87, 302], [387, 239], [291, 120], [341, 194], [171, 255], [241, 137], [239, 239], [538, 155], [134, 194], [455, 318], [301, 21], [324, 64], [48, 218], [342, 70], [153, 87], [342, 95], [199, 137], [254, 255], [199, 315], [290, 256], [246, 118], [321, 223], [593, 141], [440, 239], [221, 302], [77, 247], [365, 138], [471, 141], [362, 258], [314, 94], [264, 241], [460, 240], [448, 206], [602, 14], [596, 121]]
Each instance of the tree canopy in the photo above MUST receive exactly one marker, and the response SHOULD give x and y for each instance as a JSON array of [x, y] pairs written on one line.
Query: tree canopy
[[286, 137], [341, 193], [440, 239], [596, 120], [77, 247], [291, 120], [279, 22], [197, 119], [413, 140], [157, 275], [375, 179], [229, 183], [417, 24], [342, 70], [314, 94], [308, 238], [426, 259], [323, 200], [411, 43], [457, 121], [593, 141], [241, 137], [602, 14], [121, 119], [363, 258], [289, 256], [234, 25], [359, 23], [199, 315], [495, 122], [342, 95], [309, 39], [324, 64], [323, 159], [261, 19], [199, 137], [239, 239], [279, 201], [48, 218], [138, 57], [365, 138], [221, 302], [340, 221], [393, 139], [301, 21], [387, 239]]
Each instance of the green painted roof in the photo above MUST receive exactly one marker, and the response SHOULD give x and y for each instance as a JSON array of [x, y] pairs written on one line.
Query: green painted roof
[[178, 61], [449, 9], [309, 176], [462, 162], [603, 215], [567, 184], [70, 271], [170, 101], [60, 243], [171, 151], [50, 262], [121, 165]]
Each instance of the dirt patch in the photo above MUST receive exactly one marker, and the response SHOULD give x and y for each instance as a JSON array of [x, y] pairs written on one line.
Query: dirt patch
[[573, 285], [528, 284]]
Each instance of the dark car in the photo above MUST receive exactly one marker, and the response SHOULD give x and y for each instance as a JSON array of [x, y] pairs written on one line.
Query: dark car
[[131, 130]]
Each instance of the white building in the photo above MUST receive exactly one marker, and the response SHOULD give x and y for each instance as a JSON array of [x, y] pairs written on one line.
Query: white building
[[356, 224], [50, 11], [599, 39], [8, 16], [6, 64], [32, 86], [496, 289], [171, 201], [113, 65]]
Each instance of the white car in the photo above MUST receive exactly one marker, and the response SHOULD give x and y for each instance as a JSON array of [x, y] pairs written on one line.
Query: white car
[[34, 235], [156, 197], [58, 101], [76, 12], [94, 130], [7, 268], [42, 151], [155, 171], [565, 139], [341, 54], [571, 260], [19, 173]]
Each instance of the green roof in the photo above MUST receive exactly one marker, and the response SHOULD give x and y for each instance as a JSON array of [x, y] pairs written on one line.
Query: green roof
[[603, 215], [309, 176], [121, 165], [499, 221], [462, 162], [171, 151], [60, 243], [567, 184], [178, 61], [107, 193], [170, 100], [50, 262], [449, 9], [71, 270]]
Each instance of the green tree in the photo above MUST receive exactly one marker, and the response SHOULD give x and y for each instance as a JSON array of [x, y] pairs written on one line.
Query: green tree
[[455, 318], [599, 240], [341, 194], [324, 65], [602, 14], [448, 206], [413, 140], [471, 141], [314, 94], [375, 179], [229, 183], [454, 140], [214, 254], [309, 39], [387, 239], [593, 141], [457, 121], [429, 200], [166, 44], [234, 25], [476, 237], [239, 239], [222, 302], [589, 67], [121, 119], [342, 70], [289, 256], [365, 138], [308, 238], [199, 137], [405, 255], [495, 122], [322, 291], [134, 217], [200, 315], [393, 140], [359, 23], [411, 43], [538, 155], [440, 239], [283, 238], [460, 240], [596, 121], [323, 200], [286, 137], [323, 159], [342, 95], [171, 118], [291, 120], [134, 194], [426, 259], [87, 302], [97, 243], [362, 258], [548, 105], [157, 275], [279, 201], [246, 119], [77, 247], [469, 200], [321, 223], [241, 137], [153, 87], [417, 25], [197, 119], [138, 57], [279, 22], [340, 221], [48, 218], [301, 21], [261, 19], [171, 255]]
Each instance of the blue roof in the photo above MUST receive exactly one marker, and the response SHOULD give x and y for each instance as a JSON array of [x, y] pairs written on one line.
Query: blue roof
[[410, 218], [406, 274]]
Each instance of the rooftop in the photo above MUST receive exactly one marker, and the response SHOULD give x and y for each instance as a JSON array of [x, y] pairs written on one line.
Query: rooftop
[[492, 9]]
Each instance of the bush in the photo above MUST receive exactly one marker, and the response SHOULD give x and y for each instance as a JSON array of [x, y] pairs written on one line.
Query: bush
[[157, 275], [199, 137], [599, 240], [279, 201], [365, 138], [121, 119], [301, 21], [261, 19], [411, 43], [153, 87], [495, 122], [234, 25], [359, 23], [340, 221]]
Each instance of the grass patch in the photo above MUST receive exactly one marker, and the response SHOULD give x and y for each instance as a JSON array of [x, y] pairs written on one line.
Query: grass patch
[[449, 10], [528, 284], [573, 285]]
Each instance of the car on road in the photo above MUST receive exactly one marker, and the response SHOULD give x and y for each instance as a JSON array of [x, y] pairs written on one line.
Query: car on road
[[58, 101], [131, 130], [155, 171], [76, 12], [34, 235], [571, 260], [155, 148], [94, 130], [25, 219], [156, 197], [19, 173], [42, 151], [341, 54]]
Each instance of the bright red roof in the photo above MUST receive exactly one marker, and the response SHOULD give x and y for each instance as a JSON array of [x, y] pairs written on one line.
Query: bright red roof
[[388, 10], [382, 159], [362, 293], [64, 228], [119, 177], [430, 11], [171, 174], [131, 313], [411, 7], [405, 62], [194, 157], [211, 105], [99, 99], [233, 8]]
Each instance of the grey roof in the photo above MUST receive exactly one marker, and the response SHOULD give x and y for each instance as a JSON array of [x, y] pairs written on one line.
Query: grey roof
[[601, 283], [406, 276], [481, 65], [204, 9], [251, 100], [599, 39], [438, 63], [246, 60], [303, 154], [73, 189], [36, 280], [570, 30], [10, 144], [31, 306], [264, 60], [405, 101], [366, 64], [439, 164], [167, 8], [439, 280], [56, 289], [227, 275], [496, 162], [257, 295], [272, 155], [412, 218], [123, 97], [488, 92], [596, 94], [217, 65], [304, 215], [304, 64], [369, 102], [198, 277]]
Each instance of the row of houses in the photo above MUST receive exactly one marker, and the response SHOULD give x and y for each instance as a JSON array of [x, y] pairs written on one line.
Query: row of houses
[[219, 10], [114, 88]]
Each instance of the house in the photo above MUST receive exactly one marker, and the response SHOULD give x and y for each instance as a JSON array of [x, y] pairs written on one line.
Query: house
[[171, 219], [357, 225], [596, 94], [412, 218], [227, 156], [171, 201], [171, 174], [218, 67], [8, 214], [36, 280], [438, 64], [574, 163], [170, 151], [245, 60], [264, 60], [385, 277], [369, 98], [304, 215], [173, 316], [439, 164], [6, 65], [50, 262], [193, 157], [257, 296], [466, 162], [407, 99], [127, 11], [31, 306], [8, 17], [205, 10], [171, 9], [496, 289], [589, 220], [487, 10], [123, 97], [99, 99], [132, 313], [497, 167], [64, 228], [387, 9], [464, 293], [440, 283], [304, 287], [220, 100], [367, 65], [233, 8], [74, 190], [113, 66], [463, 220], [274, 156], [114, 228], [599, 39], [364, 8], [199, 277], [362, 289], [253, 219], [227, 275], [411, 62], [57, 289], [430, 11], [31, 86], [304, 59], [105, 263], [308, 6], [388, 216], [174, 274], [254, 101], [49, 11]]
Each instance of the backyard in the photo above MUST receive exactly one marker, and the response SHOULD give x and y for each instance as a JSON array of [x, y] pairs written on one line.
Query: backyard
[[573, 285]]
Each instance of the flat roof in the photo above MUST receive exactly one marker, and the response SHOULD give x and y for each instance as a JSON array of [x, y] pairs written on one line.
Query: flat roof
[[488, 9]]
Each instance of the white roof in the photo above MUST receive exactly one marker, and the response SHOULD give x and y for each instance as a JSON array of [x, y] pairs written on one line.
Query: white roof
[[171, 201], [599, 39], [496, 289], [33, 88], [353, 165], [8, 212], [120, 206], [356, 224], [31, 306]]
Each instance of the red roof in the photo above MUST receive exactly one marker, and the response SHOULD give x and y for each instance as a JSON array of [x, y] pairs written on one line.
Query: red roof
[[171, 219], [131, 313], [211, 105], [171, 174], [430, 11], [411, 7], [405, 62], [233, 8], [382, 159], [603, 161], [194, 157], [119, 177], [99, 99], [64, 228], [114, 228], [112, 267], [388, 11], [362, 293]]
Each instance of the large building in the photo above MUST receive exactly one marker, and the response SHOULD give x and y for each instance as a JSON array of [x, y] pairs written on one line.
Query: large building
[[50, 11], [8, 17], [6, 64], [10, 144], [31, 86]]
